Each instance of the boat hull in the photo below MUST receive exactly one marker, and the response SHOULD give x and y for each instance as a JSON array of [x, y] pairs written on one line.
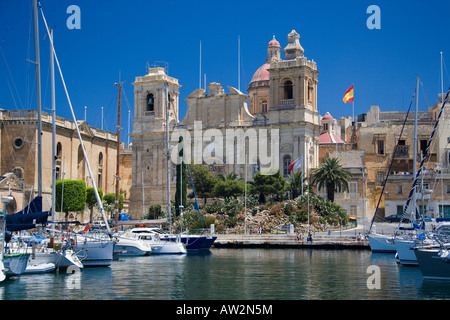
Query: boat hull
[[40, 268], [61, 260], [405, 253], [95, 253], [193, 242], [432, 264], [381, 244], [168, 247]]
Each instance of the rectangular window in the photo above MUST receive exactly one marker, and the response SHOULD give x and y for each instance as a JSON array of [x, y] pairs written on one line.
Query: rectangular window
[[399, 210], [399, 189], [353, 211], [380, 145], [448, 188], [380, 177], [353, 187]]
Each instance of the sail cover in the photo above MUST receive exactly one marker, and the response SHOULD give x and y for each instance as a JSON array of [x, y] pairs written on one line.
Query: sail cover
[[28, 217]]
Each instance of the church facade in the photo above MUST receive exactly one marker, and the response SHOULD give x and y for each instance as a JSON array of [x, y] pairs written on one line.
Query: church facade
[[265, 130]]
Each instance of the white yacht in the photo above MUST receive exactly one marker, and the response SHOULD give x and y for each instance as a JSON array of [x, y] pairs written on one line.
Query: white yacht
[[128, 244], [94, 249], [159, 246]]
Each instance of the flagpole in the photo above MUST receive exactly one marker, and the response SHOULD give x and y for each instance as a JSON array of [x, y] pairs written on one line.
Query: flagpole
[[353, 104]]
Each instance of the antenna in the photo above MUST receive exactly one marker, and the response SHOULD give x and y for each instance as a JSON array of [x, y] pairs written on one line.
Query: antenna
[[200, 67], [239, 63]]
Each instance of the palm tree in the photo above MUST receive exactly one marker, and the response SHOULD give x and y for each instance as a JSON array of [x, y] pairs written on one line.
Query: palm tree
[[331, 175], [296, 181]]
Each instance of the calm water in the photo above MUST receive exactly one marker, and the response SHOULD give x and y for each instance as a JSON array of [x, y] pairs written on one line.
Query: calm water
[[234, 274]]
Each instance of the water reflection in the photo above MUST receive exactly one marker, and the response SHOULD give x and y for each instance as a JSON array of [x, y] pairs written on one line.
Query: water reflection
[[235, 274]]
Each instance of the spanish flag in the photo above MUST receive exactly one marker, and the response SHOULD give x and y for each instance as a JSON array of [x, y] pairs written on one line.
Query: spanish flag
[[348, 96]]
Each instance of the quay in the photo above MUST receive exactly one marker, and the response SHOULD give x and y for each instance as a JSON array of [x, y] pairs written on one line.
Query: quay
[[289, 241]]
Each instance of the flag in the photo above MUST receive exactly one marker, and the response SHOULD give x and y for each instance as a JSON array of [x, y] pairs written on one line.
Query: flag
[[296, 164], [348, 96]]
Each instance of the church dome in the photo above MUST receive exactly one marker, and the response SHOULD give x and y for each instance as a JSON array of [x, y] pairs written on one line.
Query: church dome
[[274, 43], [327, 116], [262, 74]]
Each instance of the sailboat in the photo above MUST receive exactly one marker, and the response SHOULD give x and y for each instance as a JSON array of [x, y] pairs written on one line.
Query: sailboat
[[404, 247], [10, 264], [380, 243]]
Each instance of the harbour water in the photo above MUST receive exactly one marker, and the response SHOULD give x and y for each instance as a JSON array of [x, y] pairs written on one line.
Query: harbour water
[[234, 274]]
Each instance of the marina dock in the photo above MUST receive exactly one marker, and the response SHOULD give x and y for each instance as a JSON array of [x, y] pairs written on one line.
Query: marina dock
[[289, 241]]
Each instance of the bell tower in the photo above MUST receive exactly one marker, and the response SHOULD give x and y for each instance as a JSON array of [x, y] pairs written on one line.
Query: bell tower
[[293, 83], [151, 100], [154, 93]]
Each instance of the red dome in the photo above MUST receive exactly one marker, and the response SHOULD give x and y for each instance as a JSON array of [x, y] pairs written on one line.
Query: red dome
[[274, 43], [327, 117], [262, 73]]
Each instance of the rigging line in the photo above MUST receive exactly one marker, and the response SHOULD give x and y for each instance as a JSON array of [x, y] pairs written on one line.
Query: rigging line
[[12, 79], [94, 185], [421, 163], [390, 166]]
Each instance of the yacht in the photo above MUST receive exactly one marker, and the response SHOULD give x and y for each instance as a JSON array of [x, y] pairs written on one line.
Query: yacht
[[129, 244], [159, 246], [94, 249]]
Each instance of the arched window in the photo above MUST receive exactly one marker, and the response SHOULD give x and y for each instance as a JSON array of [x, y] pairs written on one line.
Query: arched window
[[288, 89], [59, 151], [150, 103], [264, 106], [287, 160], [81, 164], [100, 159]]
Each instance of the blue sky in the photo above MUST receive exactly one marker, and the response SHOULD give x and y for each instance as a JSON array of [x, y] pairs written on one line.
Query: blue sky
[[119, 37]]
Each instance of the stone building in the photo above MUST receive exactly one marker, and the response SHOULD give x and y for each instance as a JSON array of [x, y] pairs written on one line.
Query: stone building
[[18, 131], [378, 136], [281, 116]]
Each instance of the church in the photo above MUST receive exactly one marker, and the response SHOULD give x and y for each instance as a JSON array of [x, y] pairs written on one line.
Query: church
[[279, 112]]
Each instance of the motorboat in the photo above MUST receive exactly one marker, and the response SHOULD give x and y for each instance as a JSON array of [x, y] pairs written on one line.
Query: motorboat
[[128, 244], [158, 245]]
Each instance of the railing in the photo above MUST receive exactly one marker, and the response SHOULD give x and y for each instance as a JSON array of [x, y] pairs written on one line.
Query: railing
[[287, 102], [402, 152]]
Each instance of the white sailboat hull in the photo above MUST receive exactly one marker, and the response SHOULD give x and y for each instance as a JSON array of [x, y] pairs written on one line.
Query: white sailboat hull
[[381, 243], [61, 260], [405, 253], [95, 253]]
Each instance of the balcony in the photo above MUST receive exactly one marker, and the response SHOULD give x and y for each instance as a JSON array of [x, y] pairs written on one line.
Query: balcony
[[402, 152], [287, 102]]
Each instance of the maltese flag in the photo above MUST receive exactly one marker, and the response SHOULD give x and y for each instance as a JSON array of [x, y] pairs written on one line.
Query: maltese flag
[[296, 164]]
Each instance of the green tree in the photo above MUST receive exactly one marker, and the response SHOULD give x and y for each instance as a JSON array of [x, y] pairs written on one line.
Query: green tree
[[110, 200], [71, 194], [91, 199], [296, 183], [265, 185], [332, 176], [229, 186], [181, 186], [204, 181]]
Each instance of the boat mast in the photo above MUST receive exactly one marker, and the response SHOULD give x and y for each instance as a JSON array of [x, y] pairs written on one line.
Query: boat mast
[[118, 158], [413, 207], [38, 94], [52, 84], [168, 157]]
